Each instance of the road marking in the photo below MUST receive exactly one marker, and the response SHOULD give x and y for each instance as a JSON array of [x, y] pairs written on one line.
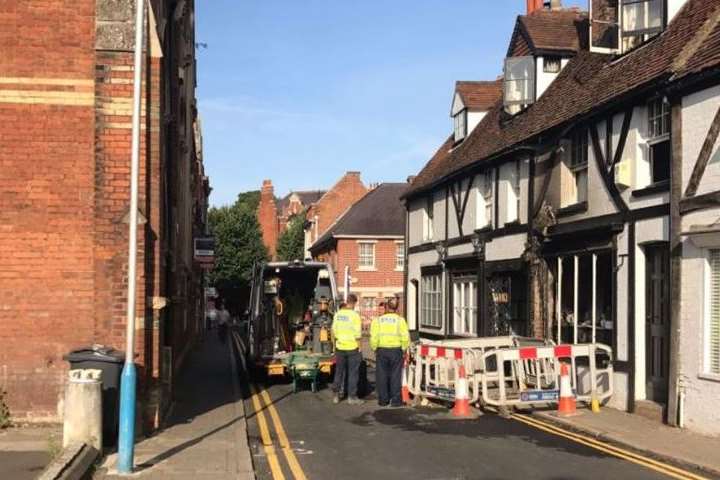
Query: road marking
[[265, 436], [292, 460], [646, 462]]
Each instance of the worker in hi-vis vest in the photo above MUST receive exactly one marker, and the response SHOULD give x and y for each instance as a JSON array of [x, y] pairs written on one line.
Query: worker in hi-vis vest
[[389, 338], [347, 331]]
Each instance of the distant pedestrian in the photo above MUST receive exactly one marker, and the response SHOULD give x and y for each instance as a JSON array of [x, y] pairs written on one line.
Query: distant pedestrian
[[347, 331], [390, 339], [223, 320]]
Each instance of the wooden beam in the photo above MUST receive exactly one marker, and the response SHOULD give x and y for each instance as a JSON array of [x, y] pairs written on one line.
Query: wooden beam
[[623, 138], [704, 156], [699, 202], [454, 194], [600, 163], [471, 180], [535, 208]]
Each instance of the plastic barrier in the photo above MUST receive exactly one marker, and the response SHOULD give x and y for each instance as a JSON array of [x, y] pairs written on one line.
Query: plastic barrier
[[433, 366], [530, 376]]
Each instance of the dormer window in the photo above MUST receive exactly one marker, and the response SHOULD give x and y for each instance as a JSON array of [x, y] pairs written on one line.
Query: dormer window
[[460, 125], [519, 83], [641, 20]]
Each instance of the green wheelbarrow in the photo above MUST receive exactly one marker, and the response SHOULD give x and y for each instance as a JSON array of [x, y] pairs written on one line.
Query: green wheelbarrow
[[304, 368]]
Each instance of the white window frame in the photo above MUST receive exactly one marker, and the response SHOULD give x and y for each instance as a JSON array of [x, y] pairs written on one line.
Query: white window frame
[[640, 34], [363, 265], [513, 193], [518, 92], [431, 301], [460, 125], [464, 288], [399, 256], [579, 147], [485, 200], [710, 366], [656, 135]]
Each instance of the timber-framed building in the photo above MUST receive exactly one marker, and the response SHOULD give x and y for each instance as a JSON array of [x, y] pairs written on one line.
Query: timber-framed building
[[583, 205]]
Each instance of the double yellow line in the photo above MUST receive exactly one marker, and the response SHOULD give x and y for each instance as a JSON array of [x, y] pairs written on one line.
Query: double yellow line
[[646, 462], [261, 401]]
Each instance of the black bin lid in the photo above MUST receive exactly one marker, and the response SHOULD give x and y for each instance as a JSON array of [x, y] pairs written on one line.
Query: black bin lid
[[96, 353]]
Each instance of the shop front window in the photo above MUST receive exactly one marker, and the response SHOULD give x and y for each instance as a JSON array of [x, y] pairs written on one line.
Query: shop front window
[[583, 293], [464, 309], [507, 309]]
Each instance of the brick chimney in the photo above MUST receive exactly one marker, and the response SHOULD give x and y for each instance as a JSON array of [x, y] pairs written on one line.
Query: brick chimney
[[267, 217], [534, 5]]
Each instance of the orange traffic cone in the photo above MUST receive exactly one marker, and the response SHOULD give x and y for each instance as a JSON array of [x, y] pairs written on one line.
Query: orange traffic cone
[[566, 403], [462, 398], [405, 389]]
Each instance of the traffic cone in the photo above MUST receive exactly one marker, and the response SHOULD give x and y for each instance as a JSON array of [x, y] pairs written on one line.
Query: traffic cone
[[405, 389], [566, 403], [462, 398]]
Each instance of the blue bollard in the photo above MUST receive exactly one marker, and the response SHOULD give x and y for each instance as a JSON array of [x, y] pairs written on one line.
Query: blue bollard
[[126, 437]]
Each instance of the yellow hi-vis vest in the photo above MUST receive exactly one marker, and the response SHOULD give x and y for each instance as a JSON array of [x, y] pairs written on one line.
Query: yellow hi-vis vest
[[389, 331], [346, 329]]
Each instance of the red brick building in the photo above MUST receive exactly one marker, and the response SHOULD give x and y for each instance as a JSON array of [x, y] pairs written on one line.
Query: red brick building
[[321, 208], [65, 122], [368, 241]]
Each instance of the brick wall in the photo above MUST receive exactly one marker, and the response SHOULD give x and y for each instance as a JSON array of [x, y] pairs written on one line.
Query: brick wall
[[46, 190], [268, 217], [348, 190], [382, 282]]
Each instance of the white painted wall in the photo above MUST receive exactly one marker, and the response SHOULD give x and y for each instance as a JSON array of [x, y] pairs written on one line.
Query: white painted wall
[[702, 390], [473, 118], [674, 7], [545, 79]]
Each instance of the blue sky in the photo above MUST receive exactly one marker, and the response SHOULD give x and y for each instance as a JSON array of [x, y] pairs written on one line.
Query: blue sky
[[302, 91]]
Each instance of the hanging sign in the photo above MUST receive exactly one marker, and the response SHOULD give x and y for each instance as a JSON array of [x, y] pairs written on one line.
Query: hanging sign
[[205, 252]]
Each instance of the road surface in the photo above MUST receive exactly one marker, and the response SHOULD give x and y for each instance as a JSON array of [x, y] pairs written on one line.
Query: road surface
[[304, 435]]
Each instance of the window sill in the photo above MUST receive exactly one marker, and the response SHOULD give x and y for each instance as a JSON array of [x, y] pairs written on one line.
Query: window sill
[[399, 269], [367, 269], [486, 229], [580, 207], [712, 377], [511, 223], [653, 188]]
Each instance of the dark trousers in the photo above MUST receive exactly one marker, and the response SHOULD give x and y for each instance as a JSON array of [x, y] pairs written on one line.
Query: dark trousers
[[388, 375], [347, 369]]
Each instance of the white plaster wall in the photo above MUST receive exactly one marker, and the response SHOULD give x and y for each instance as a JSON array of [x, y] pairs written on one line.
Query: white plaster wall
[[473, 118], [508, 247], [545, 79], [462, 249], [674, 7], [622, 350], [415, 222], [699, 109], [453, 230], [439, 215]]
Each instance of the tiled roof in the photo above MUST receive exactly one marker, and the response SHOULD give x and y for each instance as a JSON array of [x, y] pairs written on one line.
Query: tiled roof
[[479, 95], [380, 212], [588, 82], [553, 30], [306, 197]]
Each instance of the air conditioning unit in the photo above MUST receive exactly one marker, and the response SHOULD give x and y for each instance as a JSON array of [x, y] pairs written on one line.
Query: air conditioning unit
[[623, 173]]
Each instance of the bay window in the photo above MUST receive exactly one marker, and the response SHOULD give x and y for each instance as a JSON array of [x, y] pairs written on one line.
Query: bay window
[[431, 304], [464, 308]]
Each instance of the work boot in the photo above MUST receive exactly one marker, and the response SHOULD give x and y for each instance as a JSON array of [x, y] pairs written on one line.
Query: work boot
[[355, 401]]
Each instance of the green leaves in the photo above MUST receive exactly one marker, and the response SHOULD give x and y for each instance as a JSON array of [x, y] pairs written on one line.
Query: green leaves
[[238, 245], [291, 244]]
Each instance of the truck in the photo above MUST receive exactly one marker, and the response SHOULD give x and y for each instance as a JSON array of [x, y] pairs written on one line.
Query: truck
[[289, 319]]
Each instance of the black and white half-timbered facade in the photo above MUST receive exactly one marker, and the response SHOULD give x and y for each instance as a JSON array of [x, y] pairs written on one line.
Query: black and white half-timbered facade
[[584, 205]]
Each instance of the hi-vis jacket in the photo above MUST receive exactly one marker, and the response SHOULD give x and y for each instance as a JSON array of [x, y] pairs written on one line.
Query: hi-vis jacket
[[389, 331], [346, 329]]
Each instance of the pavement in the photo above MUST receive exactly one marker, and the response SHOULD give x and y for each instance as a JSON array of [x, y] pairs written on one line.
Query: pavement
[[205, 437], [640, 434], [322, 441], [26, 450]]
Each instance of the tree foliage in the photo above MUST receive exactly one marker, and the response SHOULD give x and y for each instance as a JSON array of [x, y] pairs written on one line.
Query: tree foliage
[[291, 244], [238, 245]]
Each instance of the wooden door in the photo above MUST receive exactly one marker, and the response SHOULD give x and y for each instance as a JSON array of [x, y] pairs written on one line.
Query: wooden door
[[657, 322]]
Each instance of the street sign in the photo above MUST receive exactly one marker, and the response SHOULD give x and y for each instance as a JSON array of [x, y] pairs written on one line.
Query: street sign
[[205, 252], [539, 395]]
